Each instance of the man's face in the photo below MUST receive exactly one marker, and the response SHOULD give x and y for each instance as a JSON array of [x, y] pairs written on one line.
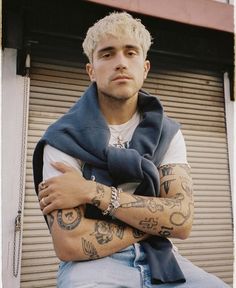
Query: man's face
[[118, 67]]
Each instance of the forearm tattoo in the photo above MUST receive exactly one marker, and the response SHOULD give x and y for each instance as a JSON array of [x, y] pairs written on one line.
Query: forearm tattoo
[[178, 218], [149, 224], [174, 201], [165, 231], [119, 231], [69, 219], [176, 182], [137, 233], [104, 231], [143, 203], [89, 249], [96, 201]]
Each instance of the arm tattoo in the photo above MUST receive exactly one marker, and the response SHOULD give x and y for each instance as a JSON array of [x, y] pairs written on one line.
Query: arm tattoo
[[69, 219], [96, 201], [178, 218], [137, 233], [174, 201], [89, 249], [138, 203], [103, 232], [166, 171], [149, 223], [119, 231], [150, 204], [165, 231]]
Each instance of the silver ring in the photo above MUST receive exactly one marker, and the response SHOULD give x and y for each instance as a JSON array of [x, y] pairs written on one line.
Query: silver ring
[[43, 201]]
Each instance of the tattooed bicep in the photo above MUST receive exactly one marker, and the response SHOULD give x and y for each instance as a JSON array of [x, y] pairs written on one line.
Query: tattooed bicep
[[175, 178]]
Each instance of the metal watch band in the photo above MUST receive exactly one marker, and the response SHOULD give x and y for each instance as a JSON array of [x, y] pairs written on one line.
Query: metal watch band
[[114, 202]]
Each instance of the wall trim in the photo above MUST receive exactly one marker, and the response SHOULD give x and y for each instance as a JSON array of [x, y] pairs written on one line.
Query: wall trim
[[203, 13]]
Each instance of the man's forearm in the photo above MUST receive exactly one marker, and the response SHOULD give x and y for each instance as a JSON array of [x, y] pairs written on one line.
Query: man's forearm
[[77, 238], [168, 216]]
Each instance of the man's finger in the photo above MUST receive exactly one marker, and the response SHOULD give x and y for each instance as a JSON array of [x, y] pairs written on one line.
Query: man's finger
[[48, 209]]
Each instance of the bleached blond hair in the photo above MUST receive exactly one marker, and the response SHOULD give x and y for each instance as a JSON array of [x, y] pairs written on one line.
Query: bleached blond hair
[[116, 24]]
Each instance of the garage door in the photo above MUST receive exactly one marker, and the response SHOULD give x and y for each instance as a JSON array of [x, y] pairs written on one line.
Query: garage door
[[195, 99]]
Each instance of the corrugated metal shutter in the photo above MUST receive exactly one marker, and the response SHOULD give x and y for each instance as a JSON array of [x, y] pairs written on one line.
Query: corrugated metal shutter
[[195, 99]]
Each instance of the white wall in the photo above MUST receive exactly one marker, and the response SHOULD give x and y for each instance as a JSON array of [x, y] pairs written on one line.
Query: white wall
[[12, 117]]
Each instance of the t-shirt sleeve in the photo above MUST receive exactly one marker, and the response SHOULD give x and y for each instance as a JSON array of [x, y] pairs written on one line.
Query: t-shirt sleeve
[[176, 153], [51, 155]]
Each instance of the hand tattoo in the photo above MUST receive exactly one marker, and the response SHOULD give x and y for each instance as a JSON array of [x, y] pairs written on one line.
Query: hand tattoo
[[96, 201]]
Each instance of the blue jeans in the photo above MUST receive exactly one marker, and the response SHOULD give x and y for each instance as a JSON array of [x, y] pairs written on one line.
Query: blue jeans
[[128, 269]]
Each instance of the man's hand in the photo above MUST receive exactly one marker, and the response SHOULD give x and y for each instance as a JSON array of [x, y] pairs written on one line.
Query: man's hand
[[68, 190]]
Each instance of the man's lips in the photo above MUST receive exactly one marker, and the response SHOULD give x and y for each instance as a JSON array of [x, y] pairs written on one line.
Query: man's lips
[[121, 77]]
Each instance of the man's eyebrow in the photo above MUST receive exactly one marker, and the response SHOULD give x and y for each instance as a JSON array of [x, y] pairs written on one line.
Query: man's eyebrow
[[110, 48], [133, 47], [105, 49]]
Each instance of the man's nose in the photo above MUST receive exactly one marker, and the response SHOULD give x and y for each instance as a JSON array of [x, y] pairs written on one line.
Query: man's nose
[[121, 62]]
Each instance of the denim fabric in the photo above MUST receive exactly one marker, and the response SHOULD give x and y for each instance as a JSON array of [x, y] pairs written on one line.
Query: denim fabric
[[129, 269], [125, 269], [195, 276]]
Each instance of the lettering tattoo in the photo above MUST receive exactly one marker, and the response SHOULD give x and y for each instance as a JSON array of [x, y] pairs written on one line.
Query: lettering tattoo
[[140, 202], [137, 233], [165, 231], [89, 249], [96, 201], [149, 223], [69, 219]]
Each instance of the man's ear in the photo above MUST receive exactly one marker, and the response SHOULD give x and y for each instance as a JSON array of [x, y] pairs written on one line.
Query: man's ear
[[90, 71], [147, 66]]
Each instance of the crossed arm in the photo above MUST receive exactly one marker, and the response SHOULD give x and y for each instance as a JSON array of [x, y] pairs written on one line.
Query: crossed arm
[[77, 238]]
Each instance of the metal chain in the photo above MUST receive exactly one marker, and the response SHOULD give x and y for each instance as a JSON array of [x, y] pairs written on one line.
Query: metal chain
[[18, 219]]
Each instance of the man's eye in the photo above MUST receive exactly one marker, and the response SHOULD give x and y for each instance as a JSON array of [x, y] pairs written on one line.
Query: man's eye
[[132, 53], [106, 55]]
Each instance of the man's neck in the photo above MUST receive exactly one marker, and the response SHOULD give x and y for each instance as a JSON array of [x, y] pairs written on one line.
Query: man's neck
[[117, 111]]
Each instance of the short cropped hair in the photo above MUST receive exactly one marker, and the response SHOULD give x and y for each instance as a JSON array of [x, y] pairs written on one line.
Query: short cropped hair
[[116, 24]]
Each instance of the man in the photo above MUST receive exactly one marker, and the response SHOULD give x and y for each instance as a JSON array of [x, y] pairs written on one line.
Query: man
[[117, 183]]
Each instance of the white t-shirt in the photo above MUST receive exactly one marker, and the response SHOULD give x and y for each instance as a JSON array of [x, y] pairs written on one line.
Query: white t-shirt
[[120, 137]]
